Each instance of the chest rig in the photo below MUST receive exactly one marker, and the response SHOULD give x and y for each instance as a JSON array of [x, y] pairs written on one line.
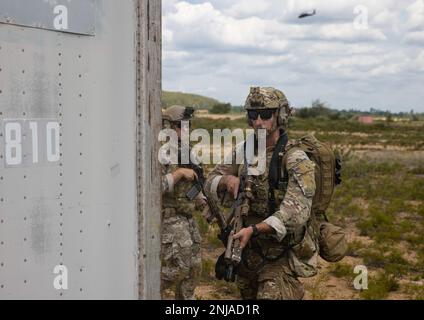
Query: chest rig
[[269, 188], [268, 191]]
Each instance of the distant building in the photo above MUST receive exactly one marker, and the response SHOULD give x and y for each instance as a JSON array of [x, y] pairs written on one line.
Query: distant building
[[365, 119]]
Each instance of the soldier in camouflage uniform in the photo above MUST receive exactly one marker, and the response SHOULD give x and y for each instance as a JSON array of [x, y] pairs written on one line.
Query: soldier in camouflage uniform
[[278, 246], [181, 260]]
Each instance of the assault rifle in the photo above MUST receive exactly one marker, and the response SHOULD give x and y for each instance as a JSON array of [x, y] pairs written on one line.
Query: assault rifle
[[226, 266]]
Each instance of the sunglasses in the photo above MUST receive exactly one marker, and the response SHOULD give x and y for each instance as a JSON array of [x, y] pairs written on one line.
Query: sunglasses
[[265, 114]]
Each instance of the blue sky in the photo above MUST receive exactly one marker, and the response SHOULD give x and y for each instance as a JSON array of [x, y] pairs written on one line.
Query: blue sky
[[352, 54]]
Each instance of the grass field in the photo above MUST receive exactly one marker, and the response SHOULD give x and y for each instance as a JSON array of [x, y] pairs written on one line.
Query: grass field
[[380, 203]]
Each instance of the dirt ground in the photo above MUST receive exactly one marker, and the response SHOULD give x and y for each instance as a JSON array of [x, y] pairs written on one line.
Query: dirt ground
[[231, 116], [323, 286]]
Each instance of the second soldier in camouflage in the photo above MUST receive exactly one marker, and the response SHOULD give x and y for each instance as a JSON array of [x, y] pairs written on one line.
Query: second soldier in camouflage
[[181, 260]]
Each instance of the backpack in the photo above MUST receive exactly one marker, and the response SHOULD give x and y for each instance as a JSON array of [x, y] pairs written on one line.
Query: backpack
[[331, 239], [327, 169]]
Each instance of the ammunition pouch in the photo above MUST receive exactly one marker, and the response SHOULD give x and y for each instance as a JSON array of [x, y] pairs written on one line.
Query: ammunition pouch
[[332, 242]]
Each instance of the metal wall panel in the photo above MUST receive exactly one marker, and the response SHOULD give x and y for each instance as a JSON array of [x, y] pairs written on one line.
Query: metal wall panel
[[74, 16], [78, 206]]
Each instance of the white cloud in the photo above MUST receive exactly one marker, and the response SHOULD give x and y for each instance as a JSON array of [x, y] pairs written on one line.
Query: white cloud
[[416, 15], [419, 62], [416, 37], [347, 32], [386, 18], [222, 47], [202, 25], [173, 55], [246, 8]]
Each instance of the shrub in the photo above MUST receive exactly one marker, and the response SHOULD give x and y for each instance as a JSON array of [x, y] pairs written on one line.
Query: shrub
[[379, 287], [221, 108], [342, 270]]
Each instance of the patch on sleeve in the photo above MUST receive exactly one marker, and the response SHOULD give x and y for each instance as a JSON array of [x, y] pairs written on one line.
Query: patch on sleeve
[[303, 171]]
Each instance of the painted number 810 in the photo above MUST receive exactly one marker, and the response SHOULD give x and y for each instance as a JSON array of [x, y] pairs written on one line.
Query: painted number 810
[[14, 143]]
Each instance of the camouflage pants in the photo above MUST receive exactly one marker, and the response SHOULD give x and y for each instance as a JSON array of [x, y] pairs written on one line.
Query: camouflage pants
[[181, 260], [273, 281]]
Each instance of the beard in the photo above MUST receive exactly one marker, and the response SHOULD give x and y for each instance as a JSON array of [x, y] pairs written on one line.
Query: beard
[[269, 131]]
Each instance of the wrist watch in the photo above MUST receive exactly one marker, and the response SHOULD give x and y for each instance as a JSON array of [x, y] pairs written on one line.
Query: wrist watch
[[255, 230]]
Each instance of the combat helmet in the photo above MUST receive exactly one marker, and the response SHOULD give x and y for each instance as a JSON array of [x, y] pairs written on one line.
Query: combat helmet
[[269, 98], [177, 113]]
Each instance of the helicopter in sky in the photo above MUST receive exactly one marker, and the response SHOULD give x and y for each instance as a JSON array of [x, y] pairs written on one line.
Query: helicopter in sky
[[307, 14]]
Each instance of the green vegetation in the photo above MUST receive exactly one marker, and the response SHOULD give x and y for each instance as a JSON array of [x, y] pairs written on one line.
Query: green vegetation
[[208, 269], [352, 132], [416, 291], [202, 223], [319, 109], [212, 237], [226, 123], [322, 109], [221, 108], [380, 286], [342, 270], [185, 99], [340, 132]]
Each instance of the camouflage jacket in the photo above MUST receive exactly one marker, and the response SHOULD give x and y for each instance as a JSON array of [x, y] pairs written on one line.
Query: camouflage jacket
[[174, 195], [293, 200]]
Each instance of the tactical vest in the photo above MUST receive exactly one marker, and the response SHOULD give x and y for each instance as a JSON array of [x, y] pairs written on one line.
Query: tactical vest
[[259, 208]]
